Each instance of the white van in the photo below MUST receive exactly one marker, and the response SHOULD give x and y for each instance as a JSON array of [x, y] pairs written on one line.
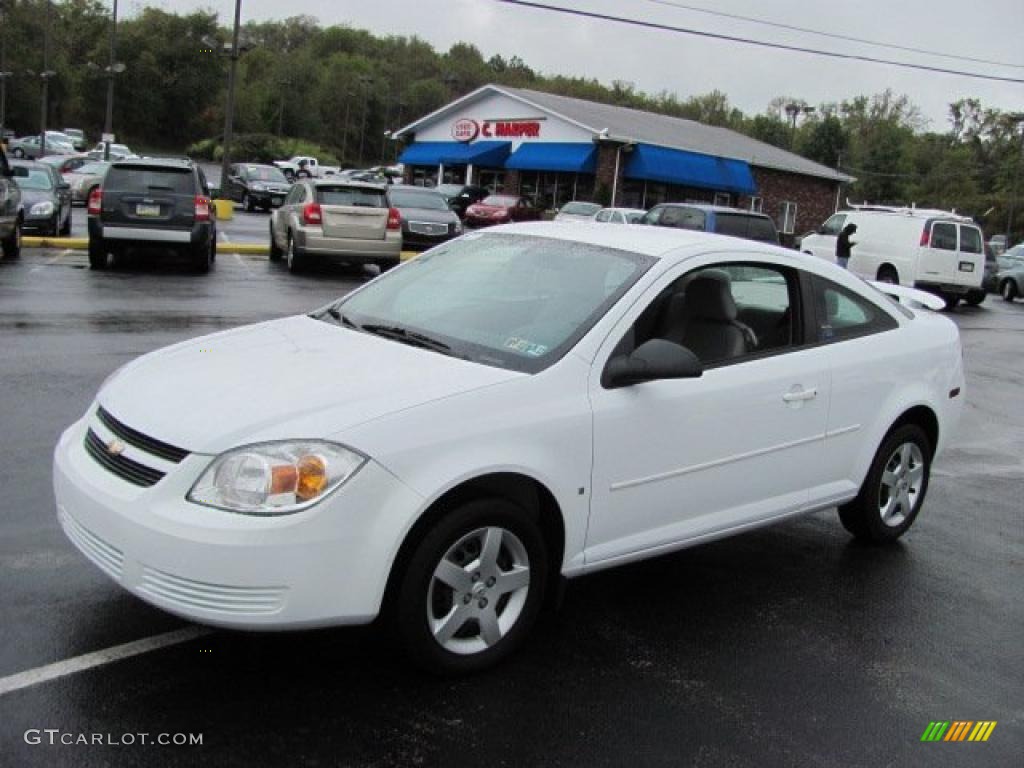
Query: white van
[[937, 251]]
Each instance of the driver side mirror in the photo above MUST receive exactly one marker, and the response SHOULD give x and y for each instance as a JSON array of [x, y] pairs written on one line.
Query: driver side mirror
[[653, 360]]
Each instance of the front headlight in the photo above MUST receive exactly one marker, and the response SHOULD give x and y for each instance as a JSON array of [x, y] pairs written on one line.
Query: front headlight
[[41, 209], [275, 478], [258, 187]]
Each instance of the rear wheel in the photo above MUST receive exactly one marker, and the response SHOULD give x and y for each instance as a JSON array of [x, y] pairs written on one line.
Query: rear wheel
[[887, 274], [201, 257], [1008, 290], [974, 298], [894, 489], [275, 251], [97, 254], [473, 587], [390, 264], [12, 243], [951, 299], [296, 258]]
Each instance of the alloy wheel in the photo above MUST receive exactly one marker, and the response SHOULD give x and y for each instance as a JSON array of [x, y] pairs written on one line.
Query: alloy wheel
[[478, 590], [902, 481]]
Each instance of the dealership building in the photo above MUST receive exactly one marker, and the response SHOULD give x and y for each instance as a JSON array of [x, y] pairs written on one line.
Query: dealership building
[[553, 149]]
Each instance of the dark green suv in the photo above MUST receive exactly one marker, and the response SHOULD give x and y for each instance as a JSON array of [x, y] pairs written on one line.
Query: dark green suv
[[149, 204], [10, 211]]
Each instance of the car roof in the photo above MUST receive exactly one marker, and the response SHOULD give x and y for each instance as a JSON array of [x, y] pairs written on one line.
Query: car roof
[[177, 163], [709, 208], [336, 181], [414, 188], [661, 242]]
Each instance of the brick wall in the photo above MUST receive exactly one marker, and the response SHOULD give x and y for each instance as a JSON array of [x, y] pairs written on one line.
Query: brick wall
[[815, 198]]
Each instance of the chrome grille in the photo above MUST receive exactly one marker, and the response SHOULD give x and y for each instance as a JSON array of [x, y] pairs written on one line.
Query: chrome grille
[[139, 440], [424, 228], [125, 468]]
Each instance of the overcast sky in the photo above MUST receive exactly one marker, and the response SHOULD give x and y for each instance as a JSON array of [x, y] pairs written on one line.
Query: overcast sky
[[688, 65]]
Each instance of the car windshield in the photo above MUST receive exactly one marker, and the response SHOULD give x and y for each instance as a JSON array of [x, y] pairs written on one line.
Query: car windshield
[[450, 190], [510, 301], [407, 198], [34, 178], [502, 201], [359, 197], [266, 174], [581, 209], [92, 169], [142, 180]]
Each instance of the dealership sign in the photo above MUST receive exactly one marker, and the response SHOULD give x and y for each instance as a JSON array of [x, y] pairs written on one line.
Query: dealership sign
[[467, 130]]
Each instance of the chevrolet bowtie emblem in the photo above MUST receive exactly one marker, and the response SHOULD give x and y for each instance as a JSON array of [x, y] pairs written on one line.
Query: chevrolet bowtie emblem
[[115, 447]]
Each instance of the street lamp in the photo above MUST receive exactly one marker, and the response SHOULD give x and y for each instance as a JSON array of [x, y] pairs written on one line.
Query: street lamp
[[793, 110], [229, 113], [3, 66], [284, 84], [1016, 121], [114, 68]]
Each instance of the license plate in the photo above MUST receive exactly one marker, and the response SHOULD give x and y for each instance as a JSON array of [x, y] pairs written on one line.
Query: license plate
[[147, 210], [966, 266]]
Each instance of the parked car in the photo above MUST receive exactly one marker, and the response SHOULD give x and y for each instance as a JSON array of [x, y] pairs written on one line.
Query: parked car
[[990, 281], [306, 167], [1010, 278], [45, 198], [444, 444], [577, 211], [77, 136], [620, 215], [461, 196], [153, 203], [501, 209], [28, 147], [117, 152], [938, 251], [426, 218], [11, 214], [85, 179], [256, 186], [721, 220], [66, 163], [326, 219]]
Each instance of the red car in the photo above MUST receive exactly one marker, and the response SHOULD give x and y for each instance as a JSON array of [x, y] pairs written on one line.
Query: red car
[[66, 163], [500, 209]]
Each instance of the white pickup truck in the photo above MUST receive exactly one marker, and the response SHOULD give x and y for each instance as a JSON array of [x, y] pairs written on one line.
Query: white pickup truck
[[303, 167]]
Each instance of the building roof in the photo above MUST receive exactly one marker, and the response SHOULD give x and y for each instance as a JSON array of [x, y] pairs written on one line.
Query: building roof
[[633, 125]]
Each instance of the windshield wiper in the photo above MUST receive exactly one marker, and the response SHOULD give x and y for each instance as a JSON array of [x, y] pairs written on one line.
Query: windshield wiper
[[412, 338], [338, 316]]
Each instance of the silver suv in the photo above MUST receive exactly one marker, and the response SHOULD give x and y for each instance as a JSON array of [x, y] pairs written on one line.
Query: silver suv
[[10, 211]]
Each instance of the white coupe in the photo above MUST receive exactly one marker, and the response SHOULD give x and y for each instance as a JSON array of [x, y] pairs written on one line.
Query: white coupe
[[535, 402]]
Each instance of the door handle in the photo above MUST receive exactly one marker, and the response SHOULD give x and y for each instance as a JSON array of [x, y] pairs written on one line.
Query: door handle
[[801, 395]]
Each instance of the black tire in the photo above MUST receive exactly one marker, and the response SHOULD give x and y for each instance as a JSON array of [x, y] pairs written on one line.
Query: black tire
[[12, 243], [201, 257], [295, 257], [974, 298], [888, 274], [864, 516], [97, 254], [213, 247], [247, 205], [390, 264], [951, 299], [1008, 290], [275, 252], [66, 229], [419, 592], [18, 152]]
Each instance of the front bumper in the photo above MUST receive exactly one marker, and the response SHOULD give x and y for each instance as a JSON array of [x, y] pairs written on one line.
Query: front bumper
[[420, 241], [267, 199], [326, 565], [39, 223]]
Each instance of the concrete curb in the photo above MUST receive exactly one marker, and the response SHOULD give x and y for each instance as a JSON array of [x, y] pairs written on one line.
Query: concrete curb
[[82, 244]]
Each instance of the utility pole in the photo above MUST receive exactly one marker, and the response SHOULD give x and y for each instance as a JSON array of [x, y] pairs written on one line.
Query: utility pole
[[229, 112], [1018, 121], [108, 125], [46, 81], [280, 109], [365, 80], [4, 74], [344, 133]]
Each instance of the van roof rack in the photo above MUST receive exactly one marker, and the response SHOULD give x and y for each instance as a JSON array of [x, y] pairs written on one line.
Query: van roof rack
[[911, 210]]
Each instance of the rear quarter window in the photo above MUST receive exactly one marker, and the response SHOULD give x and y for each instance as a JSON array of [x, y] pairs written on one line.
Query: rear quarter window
[[970, 240], [144, 180], [682, 218], [354, 196], [749, 227]]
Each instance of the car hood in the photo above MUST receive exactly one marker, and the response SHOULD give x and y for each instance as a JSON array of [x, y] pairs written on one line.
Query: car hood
[[573, 217], [291, 378], [430, 215]]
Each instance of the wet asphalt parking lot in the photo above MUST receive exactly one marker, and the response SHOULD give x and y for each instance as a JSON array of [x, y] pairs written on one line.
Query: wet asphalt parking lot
[[790, 646]]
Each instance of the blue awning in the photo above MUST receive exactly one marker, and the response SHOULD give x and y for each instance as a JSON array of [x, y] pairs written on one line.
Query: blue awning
[[487, 153], [555, 156], [690, 169]]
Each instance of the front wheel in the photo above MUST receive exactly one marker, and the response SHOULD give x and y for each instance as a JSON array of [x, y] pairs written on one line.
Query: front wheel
[[473, 587], [12, 243], [894, 489], [888, 274], [1008, 290]]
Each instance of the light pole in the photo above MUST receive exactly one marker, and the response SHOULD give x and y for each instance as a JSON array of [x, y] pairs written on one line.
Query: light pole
[[112, 69], [229, 112], [366, 80], [46, 74], [280, 109], [1018, 121], [344, 134], [4, 74], [793, 110]]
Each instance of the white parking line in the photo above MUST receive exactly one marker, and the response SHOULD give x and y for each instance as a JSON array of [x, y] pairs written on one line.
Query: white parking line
[[248, 272], [55, 259], [86, 661]]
